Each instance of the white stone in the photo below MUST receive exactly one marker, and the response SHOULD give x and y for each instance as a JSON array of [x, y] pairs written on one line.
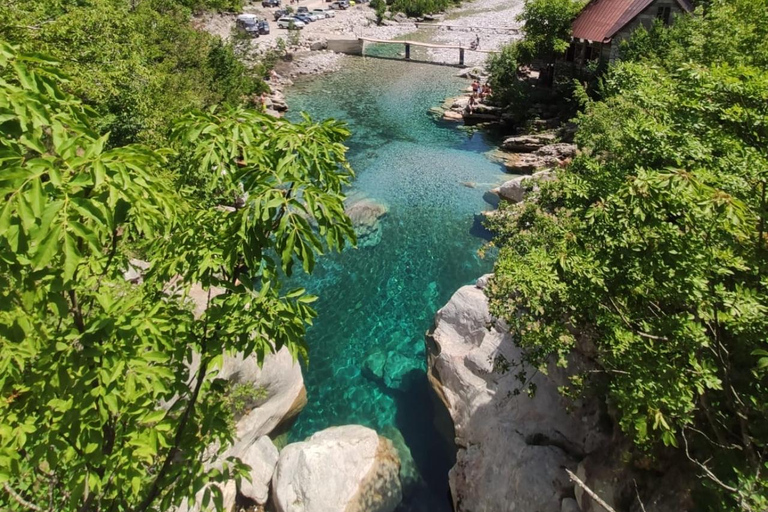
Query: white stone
[[515, 189], [512, 448], [569, 505], [284, 393], [344, 469], [262, 457]]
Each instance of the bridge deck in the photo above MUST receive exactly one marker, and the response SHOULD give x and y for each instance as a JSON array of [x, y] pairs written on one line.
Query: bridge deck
[[426, 45]]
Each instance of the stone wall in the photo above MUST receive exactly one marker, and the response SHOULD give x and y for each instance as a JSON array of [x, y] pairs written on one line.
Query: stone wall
[[645, 19]]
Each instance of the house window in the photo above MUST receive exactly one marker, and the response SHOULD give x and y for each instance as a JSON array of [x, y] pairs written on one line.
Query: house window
[[664, 13], [592, 53]]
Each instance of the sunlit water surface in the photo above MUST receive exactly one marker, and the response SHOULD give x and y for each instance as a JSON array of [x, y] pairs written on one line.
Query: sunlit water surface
[[367, 354]]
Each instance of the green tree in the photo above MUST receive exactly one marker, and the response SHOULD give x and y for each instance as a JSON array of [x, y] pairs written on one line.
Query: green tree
[[546, 28], [138, 66], [649, 252], [101, 408], [546, 34]]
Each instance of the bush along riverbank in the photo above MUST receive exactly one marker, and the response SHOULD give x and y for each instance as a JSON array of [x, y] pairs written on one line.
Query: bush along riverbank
[[630, 277]]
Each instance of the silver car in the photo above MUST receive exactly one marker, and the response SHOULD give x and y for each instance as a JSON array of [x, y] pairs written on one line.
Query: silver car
[[289, 22], [324, 13]]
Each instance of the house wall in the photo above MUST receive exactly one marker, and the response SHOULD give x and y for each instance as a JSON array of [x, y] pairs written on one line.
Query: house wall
[[646, 18]]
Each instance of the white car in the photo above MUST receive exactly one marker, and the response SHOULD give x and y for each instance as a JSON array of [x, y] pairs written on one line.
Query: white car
[[324, 13], [288, 22]]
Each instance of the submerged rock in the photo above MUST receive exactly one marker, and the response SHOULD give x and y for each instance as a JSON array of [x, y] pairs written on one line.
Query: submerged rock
[[349, 469], [512, 448], [409, 473], [388, 368], [366, 216]]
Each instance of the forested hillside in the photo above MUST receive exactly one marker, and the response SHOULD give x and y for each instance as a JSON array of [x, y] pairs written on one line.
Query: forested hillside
[[125, 133], [649, 252], [138, 63]]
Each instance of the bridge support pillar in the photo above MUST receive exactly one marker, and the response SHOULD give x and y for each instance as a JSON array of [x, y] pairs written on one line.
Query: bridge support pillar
[[461, 56], [407, 51]]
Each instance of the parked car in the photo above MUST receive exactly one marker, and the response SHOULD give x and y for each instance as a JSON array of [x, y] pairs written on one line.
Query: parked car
[[248, 24], [290, 22], [339, 6], [303, 18], [280, 13], [263, 27], [323, 12], [302, 10], [270, 3]]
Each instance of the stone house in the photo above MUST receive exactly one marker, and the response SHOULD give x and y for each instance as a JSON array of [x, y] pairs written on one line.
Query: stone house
[[603, 24]]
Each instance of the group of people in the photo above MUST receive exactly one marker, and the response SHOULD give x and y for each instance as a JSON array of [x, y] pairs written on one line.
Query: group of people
[[479, 93]]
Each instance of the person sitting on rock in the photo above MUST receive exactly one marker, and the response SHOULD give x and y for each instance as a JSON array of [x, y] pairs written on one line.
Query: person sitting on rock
[[472, 103], [475, 87]]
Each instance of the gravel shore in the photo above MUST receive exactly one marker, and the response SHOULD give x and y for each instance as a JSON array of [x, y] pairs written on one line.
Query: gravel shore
[[494, 21], [358, 21]]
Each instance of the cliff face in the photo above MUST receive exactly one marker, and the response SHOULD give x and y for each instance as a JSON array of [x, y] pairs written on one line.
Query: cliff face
[[512, 449]]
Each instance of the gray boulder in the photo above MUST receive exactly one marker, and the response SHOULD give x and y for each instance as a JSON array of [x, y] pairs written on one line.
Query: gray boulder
[[528, 143], [282, 394], [511, 448], [400, 17], [349, 469], [262, 457], [515, 189]]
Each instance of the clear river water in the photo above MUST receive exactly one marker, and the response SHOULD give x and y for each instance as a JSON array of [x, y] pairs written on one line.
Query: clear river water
[[367, 362]]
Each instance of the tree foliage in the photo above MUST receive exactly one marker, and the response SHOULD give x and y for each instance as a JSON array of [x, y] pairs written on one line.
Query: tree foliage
[[546, 33], [138, 64], [101, 403], [547, 28], [649, 252], [417, 8]]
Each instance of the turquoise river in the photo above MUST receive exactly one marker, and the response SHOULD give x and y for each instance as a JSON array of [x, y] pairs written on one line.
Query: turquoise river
[[367, 354]]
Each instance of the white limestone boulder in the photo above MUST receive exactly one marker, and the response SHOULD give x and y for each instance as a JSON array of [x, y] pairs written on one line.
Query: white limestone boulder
[[340, 469], [281, 392], [262, 457], [511, 448]]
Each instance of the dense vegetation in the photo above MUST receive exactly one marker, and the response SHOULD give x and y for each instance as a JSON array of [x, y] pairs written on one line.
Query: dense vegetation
[[649, 252], [415, 8], [546, 29], [223, 199], [138, 64]]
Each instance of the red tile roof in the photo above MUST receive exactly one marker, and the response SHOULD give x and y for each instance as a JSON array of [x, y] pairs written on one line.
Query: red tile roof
[[601, 19]]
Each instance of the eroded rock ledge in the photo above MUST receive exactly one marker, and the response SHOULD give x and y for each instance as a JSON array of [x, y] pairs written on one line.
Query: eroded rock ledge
[[512, 449]]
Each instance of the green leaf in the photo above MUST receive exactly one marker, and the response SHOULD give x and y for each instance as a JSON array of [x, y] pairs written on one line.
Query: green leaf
[[48, 248]]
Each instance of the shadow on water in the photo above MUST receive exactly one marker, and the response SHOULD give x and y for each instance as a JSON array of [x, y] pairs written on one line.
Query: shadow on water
[[427, 430]]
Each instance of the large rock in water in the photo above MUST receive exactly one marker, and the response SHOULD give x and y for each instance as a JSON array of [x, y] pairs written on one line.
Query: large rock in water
[[512, 448], [340, 469], [528, 143]]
